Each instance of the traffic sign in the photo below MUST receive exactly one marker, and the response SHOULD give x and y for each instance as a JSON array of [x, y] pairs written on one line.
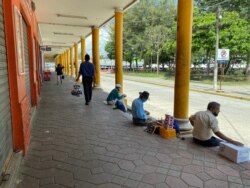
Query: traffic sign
[[223, 54]]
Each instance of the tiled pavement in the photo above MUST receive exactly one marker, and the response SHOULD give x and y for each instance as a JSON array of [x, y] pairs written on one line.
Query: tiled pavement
[[74, 145]]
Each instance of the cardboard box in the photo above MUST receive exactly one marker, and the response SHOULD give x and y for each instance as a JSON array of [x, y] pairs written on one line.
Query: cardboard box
[[235, 153]]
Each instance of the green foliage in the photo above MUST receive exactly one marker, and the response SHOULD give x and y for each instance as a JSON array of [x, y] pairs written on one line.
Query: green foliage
[[150, 31]]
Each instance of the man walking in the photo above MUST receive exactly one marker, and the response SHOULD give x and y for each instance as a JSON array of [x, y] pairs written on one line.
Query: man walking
[[87, 70]]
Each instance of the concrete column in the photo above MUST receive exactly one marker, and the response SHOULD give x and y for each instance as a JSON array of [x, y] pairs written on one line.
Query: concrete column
[[96, 55], [119, 48], [183, 62], [83, 48], [76, 59], [72, 62]]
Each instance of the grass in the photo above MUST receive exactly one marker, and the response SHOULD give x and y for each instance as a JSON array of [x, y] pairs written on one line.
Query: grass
[[146, 74]]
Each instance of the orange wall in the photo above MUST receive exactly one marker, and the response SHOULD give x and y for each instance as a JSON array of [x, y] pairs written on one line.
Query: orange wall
[[19, 101]]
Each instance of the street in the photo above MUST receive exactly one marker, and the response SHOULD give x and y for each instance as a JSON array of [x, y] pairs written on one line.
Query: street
[[233, 119]]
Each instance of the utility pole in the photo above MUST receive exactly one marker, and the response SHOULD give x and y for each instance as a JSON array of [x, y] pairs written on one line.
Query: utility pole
[[218, 17]]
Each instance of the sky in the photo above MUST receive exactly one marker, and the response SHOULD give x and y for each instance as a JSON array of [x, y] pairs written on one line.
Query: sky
[[104, 36]]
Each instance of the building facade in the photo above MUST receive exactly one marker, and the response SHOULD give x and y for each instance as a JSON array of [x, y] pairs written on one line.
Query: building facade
[[20, 76]]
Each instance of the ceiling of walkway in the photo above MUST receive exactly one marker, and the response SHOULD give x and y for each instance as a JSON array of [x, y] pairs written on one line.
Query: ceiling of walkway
[[64, 22]]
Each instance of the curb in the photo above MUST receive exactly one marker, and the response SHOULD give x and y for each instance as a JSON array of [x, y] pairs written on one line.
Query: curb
[[195, 90]]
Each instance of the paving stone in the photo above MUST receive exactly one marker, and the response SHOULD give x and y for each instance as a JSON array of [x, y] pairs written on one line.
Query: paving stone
[[216, 183], [176, 182], [234, 185], [82, 173], [193, 169], [216, 173], [204, 176], [97, 170], [234, 179], [164, 158], [139, 162], [197, 162], [176, 167], [27, 181], [145, 169], [154, 178], [144, 185], [228, 170], [53, 186], [119, 180], [108, 185], [174, 173], [245, 174], [126, 165], [114, 148], [151, 160], [64, 178], [246, 181], [135, 176], [162, 185], [111, 168], [192, 180], [133, 156], [165, 165], [99, 178], [131, 183], [182, 161], [124, 173], [46, 181], [162, 170]]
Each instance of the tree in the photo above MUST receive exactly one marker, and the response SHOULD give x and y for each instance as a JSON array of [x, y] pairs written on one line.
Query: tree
[[110, 45], [241, 7], [146, 27], [204, 34]]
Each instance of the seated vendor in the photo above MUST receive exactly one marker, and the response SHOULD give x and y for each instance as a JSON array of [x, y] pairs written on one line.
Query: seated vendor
[[140, 116], [205, 125], [115, 98]]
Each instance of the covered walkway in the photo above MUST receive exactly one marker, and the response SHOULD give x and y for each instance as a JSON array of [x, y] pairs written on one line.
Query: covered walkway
[[74, 145]]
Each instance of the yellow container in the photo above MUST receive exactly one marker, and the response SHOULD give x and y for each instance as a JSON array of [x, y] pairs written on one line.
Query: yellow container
[[167, 133]]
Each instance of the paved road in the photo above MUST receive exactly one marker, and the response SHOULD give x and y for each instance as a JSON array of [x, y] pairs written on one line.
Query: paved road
[[234, 119]]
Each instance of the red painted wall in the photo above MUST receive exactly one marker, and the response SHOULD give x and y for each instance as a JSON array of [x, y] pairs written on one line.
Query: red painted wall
[[19, 101]]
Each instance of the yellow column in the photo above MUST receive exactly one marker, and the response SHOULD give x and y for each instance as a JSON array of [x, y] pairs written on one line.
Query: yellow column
[[61, 59], [183, 62], [119, 48], [76, 59], [96, 54], [68, 62], [64, 60], [83, 48], [72, 62]]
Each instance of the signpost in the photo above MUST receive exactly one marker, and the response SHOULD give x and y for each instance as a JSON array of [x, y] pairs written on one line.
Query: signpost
[[223, 58]]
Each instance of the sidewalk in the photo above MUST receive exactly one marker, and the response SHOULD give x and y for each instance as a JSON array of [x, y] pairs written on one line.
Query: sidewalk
[[94, 146]]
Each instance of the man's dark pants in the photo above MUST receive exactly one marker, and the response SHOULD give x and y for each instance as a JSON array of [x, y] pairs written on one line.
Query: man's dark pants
[[87, 86], [212, 142]]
